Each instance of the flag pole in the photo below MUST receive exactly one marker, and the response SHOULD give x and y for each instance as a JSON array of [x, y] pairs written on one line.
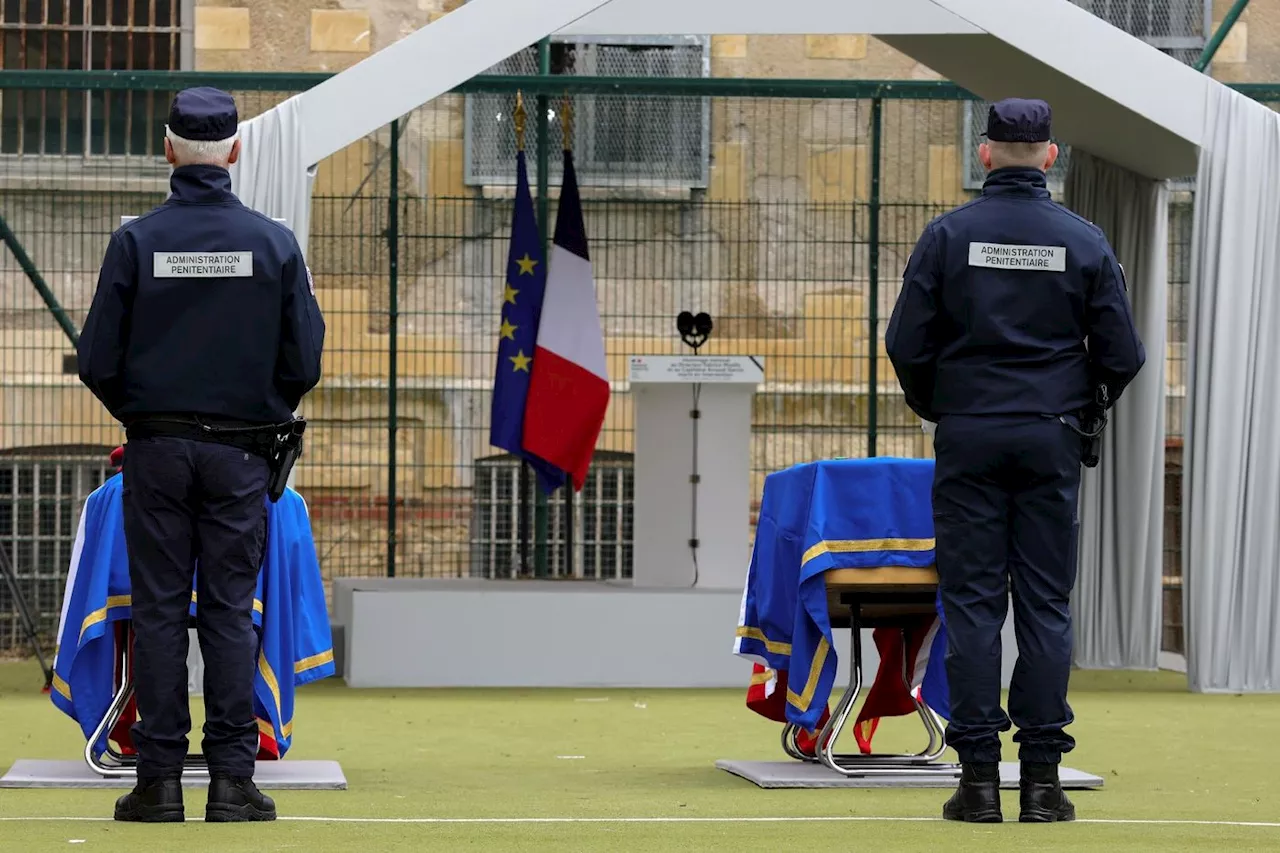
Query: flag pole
[[524, 484], [393, 345], [566, 113], [570, 519], [540, 567], [569, 395]]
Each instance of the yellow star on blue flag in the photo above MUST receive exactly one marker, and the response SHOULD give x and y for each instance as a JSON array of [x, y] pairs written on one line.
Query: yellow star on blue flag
[[520, 309]]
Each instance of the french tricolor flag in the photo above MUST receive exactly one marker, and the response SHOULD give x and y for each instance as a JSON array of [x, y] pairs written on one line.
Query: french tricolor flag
[[569, 382]]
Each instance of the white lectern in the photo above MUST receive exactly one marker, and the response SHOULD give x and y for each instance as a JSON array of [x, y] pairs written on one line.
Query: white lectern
[[692, 469]]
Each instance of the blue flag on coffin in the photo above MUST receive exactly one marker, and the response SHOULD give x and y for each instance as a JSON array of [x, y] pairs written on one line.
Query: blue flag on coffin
[[839, 514], [289, 613], [523, 292]]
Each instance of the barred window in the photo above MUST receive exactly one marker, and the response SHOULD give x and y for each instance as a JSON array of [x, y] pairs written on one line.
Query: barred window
[[89, 35], [617, 140], [604, 521], [42, 492], [1179, 28]]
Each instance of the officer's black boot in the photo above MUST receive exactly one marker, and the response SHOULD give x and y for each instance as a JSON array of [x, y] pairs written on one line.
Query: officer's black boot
[[152, 801], [235, 799], [977, 800], [1041, 796]]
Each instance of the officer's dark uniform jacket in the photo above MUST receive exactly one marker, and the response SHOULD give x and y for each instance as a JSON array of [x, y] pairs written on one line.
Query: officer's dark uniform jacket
[[203, 336], [1012, 304], [204, 307]]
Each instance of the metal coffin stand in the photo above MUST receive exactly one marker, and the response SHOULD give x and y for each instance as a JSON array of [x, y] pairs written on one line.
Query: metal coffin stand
[[875, 598], [115, 770], [113, 764]]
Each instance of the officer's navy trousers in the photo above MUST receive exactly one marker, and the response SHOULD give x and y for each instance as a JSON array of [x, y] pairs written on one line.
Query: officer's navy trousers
[[189, 502], [1004, 505]]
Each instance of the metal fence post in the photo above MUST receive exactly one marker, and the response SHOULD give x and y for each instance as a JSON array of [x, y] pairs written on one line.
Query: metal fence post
[[55, 308], [1215, 42], [393, 310], [873, 274]]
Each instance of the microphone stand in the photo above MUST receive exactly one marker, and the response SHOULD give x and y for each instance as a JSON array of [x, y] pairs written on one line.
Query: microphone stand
[[694, 331]]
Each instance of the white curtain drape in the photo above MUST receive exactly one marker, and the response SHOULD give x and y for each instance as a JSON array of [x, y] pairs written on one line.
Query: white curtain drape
[[1231, 504], [270, 176], [1117, 600]]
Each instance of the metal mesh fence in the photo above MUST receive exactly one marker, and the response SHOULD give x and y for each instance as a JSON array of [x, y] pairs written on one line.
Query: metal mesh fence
[[794, 240], [656, 141], [776, 247], [1167, 24]]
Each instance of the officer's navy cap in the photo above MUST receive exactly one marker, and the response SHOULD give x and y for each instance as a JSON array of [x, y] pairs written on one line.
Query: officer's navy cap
[[203, 114], [1019, 120]]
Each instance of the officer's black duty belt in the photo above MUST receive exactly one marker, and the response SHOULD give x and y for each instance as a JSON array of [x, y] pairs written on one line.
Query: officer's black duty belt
[[256, 438], [280, 444]]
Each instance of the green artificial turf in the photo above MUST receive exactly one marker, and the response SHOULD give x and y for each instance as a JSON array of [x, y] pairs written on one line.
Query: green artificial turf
[[1166, 755]]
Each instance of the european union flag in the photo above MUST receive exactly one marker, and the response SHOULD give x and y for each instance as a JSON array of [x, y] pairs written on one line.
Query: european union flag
[[522, 295]]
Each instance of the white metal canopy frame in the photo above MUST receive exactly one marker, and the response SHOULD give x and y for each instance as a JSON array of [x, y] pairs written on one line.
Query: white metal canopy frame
[[1121, 99], [1126, 104]]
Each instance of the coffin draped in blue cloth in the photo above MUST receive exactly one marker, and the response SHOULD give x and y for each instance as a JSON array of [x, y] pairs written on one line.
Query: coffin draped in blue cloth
[[289, 614], [836, 514]]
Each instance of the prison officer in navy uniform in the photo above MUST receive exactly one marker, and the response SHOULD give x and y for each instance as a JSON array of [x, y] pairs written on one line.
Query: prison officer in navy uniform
[[204, 331], [1013, 310]]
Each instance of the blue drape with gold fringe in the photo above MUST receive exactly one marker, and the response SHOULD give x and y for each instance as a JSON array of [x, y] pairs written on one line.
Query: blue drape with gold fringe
[[815, 517], [289, 614]]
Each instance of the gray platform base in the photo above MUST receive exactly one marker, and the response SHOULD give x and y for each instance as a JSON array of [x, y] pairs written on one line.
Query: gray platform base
[[798, 774], [269, 775]]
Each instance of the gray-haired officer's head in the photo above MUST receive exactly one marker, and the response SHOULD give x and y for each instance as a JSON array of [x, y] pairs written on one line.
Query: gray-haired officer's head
[[1018, 135], [202, 129]]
